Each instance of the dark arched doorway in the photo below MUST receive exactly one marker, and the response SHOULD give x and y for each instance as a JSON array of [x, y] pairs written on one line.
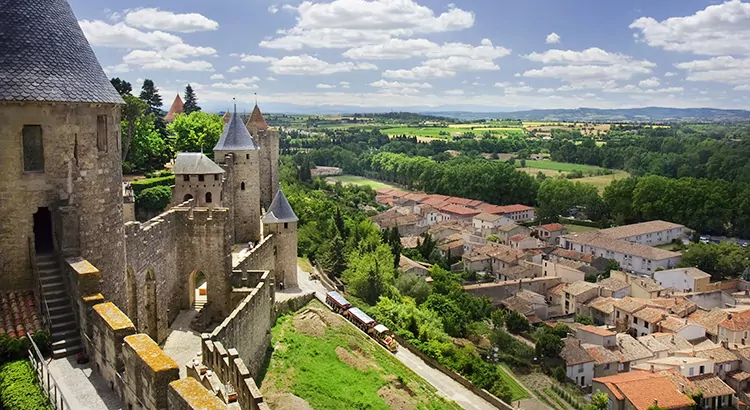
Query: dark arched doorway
[[187, 197], [43, 230]]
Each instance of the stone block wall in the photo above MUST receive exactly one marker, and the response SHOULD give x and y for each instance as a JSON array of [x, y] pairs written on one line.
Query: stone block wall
[[261, 257], [109, 327], [188, 394], [148, 372], [241, 168], [248, 328]]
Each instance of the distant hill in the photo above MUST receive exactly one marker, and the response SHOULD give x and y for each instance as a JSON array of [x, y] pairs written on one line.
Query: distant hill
[[646, 114]]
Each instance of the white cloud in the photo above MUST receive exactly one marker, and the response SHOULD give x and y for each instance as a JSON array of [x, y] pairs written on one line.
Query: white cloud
[[396, 48], [545, 90], [255, 59], [235, 68], [350, 23], [517, 75], [217, 77], [119, 35], [308, 65], [633, 89], [454, 92], [398, 84], [724, 69], [270, 79], [742, 88], [581, 73], [325, 86], [273, 9], [593, 55], [587, 68], [154, 60], [234, 86], [155, 19], [716, 30], [552, 38], [652, 82], [183, 51], [345, 84], [117, 68], [508, 88], [669, 74], [442, 67], [246, 80]]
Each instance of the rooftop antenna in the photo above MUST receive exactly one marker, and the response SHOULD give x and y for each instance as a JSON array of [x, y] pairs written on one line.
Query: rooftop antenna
[[256, 98]]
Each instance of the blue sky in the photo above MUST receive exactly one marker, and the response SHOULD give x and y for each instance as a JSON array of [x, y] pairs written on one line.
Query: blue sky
[[427, 54]]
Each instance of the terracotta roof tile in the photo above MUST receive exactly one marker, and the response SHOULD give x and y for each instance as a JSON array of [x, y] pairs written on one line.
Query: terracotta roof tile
[[738, 375], [554, 227], [601, 354], [629, 304], [176, 108], [710, 320], [577, 288], [597, 239], [642, 390], [18, 314], [631, 349], [711, 386], [573, 352], [643, 228], [458, 210], [737, 321], [487, 217], [650, 315], [573, 255], [604, 305], [717, 354], [596, 330]]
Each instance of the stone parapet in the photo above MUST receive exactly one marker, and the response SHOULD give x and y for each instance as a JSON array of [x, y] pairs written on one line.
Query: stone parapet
[[189, 394], [148, 372]]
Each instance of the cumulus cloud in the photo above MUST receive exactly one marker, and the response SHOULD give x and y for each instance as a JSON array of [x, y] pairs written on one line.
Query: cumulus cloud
[[273, 9], [345, 84], [652, 82], [117, 68], [454, 92], [398, 84], [246, 80], [593, 55], [552, 38], [235, 86], [351, 23], [183, 51], [397, 48], [155, 19], [235, 68], [154, 60], [309, 65], [255, 59], [325, 86], [724, 69], [669, 74], [716, 30], [442, 67], [217, 77], [103, 34]]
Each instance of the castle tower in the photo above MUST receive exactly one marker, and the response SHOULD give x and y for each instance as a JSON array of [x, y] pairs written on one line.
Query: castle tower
[[176, 108], [268, 140], [61, 185], [237, 153], [198, 178], [281, 222]]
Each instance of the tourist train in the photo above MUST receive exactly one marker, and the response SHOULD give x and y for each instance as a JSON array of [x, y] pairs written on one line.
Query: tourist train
[[362, 320]]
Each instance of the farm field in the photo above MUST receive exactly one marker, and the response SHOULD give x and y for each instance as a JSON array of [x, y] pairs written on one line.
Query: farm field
[[321, 362], [435, 132], [578, 228], [357, 180], [561, 166], [554, 169], [601, 181]]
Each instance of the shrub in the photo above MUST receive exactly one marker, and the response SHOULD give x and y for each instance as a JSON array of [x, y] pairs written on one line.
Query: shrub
[[558, 372], [139, 186], [154, 199], [19, 389]]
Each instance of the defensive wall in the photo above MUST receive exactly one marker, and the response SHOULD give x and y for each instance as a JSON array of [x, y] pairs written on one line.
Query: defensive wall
[[497, 292], [143, 376], [164, 255]]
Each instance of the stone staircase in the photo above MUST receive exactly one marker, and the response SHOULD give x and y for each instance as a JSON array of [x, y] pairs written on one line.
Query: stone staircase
[[66, 339]]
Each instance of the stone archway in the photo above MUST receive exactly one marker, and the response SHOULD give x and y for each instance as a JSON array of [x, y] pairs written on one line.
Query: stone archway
[[197, 290], [151, 325], [131, 285]]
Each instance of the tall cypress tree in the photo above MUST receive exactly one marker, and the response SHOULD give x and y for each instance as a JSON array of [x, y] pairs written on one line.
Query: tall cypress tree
[[150, 94], [191, 101], [123, 87]]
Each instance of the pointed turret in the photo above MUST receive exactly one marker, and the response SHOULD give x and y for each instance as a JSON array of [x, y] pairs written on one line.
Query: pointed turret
[[280, 211], [235, 136], [45, 56], [227, 116], [256, 121], [176, 108]]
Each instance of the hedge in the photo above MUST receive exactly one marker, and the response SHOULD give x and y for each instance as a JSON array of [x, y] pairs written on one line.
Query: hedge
[[154, 199], [579, 222], [139, 186], [15, 349], [19, 389]]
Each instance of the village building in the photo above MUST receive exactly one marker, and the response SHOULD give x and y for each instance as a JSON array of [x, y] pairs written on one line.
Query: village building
[[640, 390], [579, 365], [550, 232], [605, 359], [566, 270], [523, 242], [683, 279], [631, 351], [601, 310], [614, 288], [597, 336], [735, 329], [709, 320], [197, 178], [651, 233], [505, 232], [577, 294], [486, 224], [175, 109], [640, 287], [529, 304]]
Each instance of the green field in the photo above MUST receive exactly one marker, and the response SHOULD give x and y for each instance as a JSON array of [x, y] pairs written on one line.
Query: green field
[[447, 132], [553, 169], [516, 389], [561, 166], [578, 228], [601, 181], [321, 359], [353, 179]]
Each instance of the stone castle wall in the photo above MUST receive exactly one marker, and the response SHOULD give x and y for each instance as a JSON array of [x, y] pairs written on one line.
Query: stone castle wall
[[242, 167], [285, 251], [76, 174], [268, 140], [198, 189], [164, 255]]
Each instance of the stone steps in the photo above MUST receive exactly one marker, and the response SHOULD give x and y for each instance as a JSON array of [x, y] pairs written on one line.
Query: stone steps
[[63, 325]]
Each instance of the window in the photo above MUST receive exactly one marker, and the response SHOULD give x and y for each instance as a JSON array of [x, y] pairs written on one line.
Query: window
[[216, 177], [208, 197], [186, 178], [242, 186], [692, 371], [101, 133], [201, 178], [635, 320], [701, 369], [286, 225], [33, 148], [580, 368], [606, 366], [247, 156]]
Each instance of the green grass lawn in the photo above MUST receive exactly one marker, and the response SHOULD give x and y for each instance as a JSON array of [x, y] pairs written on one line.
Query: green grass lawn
[[304, 264], [435, 132], [318, 357], [353, 179], [560, 166], [516, 389]]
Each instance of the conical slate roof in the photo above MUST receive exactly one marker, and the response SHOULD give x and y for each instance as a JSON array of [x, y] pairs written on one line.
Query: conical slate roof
[[280, 210], [256, 121], [177, 108], [235, 136], [44, 56]]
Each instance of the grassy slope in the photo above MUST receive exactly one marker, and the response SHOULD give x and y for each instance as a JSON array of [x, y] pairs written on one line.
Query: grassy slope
[[308, 366], [516, 389], [435, 131], [578, 228], [353, 179]]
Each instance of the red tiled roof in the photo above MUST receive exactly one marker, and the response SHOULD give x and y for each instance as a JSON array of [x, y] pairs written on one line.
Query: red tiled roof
[[434, 201], [554, 227], [458, 210], [458, 201], [643, 388], [517, 237], [516, 208], [176, 108], [18, 314], [737, 321], [491, 209], [416, 197], [256, 120]]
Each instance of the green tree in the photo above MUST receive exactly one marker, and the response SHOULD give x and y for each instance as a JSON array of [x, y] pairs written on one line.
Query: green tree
[[413, 286], [147, 150], [191, 101], [150, 94], [516, 323], [549, 345], [154, 199], [196, 132], [333, 258], [599, 401], [655, 406], [611, 265], [123, 87], [305, 175], [454, 316], [132, 112], [338, 221], [584, 320], [427, 246], [498, 318], [369, 274], [493, 238]]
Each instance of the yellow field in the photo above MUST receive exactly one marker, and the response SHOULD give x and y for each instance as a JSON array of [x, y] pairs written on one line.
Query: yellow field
[[601, 181]]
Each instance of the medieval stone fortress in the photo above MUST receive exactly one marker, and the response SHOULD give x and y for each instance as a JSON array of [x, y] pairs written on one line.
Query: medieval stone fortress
[[111, 289]]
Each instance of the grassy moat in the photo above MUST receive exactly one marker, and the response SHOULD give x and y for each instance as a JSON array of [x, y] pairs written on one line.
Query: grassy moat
[[321, 362]]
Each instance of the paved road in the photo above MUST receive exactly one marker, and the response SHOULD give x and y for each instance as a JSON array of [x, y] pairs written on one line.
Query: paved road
[[445, 386]]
